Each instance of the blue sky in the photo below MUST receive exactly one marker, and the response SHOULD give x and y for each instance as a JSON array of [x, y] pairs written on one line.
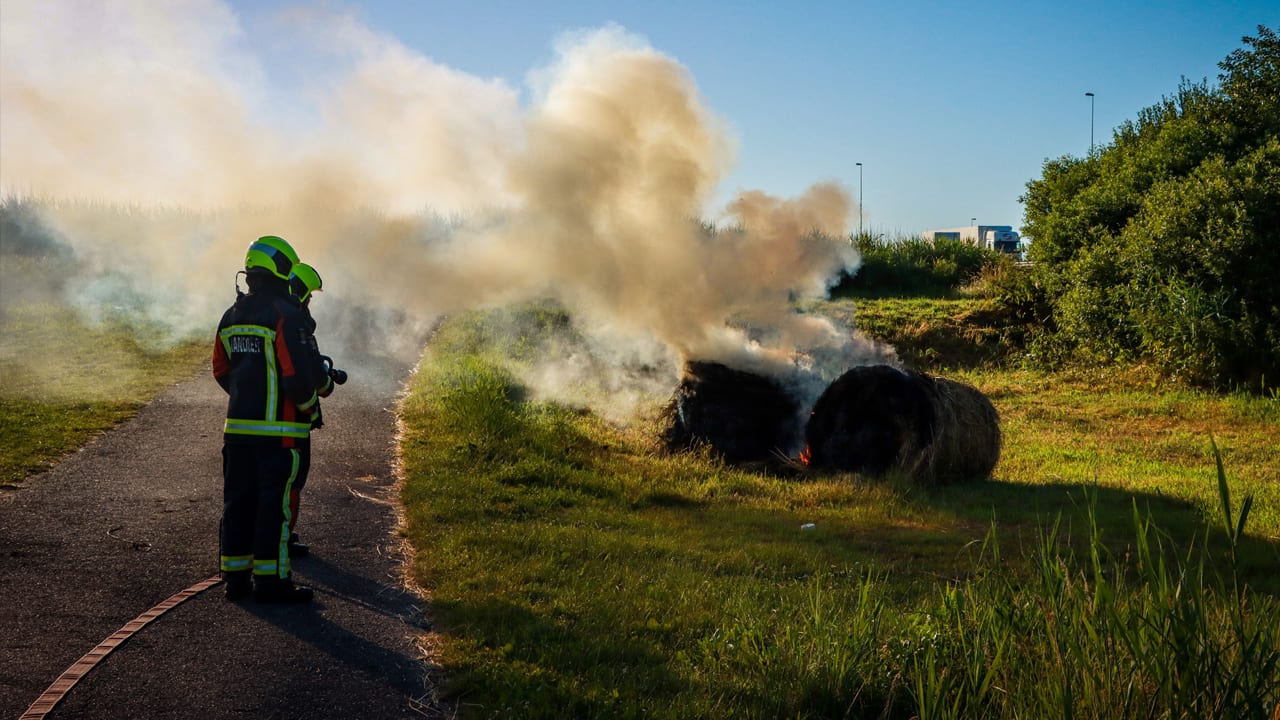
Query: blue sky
[[951, 107]]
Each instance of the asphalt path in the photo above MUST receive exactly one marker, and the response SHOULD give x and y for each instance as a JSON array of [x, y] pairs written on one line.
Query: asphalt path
[[132, 518]]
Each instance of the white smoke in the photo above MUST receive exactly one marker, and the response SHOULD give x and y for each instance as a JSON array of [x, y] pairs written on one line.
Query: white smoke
[[161, 146]]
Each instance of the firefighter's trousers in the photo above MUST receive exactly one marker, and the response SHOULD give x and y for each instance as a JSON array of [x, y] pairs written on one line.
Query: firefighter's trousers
[[304, 468], [257, 483]]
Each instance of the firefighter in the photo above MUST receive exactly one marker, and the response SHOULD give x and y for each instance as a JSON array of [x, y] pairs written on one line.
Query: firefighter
[[303, 282], [263, 359]]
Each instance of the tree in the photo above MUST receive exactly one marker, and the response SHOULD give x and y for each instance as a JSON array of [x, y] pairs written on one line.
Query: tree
[[1165, 245]]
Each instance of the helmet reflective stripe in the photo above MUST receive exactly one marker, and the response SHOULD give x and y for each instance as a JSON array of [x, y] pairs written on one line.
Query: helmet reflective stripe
[[273, 254], [233, 563], [235, 426], [269, 259], [269, 350], [280, 245]]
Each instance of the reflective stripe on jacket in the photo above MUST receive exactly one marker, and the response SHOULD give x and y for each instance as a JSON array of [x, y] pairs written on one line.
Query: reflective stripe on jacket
[[263, 357]]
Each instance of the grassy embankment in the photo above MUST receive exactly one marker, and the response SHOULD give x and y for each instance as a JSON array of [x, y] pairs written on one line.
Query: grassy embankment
[[63, 381], [576, 572]]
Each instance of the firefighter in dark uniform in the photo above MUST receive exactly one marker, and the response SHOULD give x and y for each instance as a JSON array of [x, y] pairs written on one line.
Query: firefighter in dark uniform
[[263, 358], [303, 282]]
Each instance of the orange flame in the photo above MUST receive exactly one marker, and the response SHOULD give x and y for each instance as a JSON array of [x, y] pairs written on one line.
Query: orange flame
[[806, 455]]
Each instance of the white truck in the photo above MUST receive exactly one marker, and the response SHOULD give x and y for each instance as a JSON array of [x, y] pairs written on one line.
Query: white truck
[[1002, 238]]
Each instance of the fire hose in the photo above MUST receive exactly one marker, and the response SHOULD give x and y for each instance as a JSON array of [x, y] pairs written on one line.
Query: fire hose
[[67, 680]]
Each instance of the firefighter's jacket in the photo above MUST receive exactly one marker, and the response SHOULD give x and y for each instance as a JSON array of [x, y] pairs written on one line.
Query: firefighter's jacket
[[325, 381], [265, 358]]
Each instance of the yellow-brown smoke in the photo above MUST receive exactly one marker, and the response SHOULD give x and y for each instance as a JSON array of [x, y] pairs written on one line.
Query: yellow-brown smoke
[[160, 148]]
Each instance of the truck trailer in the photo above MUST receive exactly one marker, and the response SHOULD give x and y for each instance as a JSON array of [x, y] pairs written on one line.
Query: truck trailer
[[1002, 238]]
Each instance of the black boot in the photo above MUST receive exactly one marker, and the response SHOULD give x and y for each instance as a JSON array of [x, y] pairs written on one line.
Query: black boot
[[271, 589], [297, 549], [238, 584]]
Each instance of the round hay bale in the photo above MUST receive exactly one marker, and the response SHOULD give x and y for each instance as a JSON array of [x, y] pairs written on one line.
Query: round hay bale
[[966, 443], [870, 420], [742, 416], [878, 419]]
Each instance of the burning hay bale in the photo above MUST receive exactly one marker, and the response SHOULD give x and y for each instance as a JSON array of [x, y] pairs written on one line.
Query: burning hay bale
[[743, 416], [877, 419]]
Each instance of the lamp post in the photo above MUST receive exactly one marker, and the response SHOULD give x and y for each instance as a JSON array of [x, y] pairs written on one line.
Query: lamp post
[[859, 200], [1090, 96]]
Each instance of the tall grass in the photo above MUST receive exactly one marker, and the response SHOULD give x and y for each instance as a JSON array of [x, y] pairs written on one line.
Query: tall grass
[[912, 266], [1161, 632], [575, 572]]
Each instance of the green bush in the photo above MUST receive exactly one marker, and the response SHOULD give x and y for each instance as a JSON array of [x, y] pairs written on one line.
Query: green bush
[[1163, 246]]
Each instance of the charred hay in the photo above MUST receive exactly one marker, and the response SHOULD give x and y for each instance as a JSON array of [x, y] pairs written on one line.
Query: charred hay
[[742, 416], [878, 419]]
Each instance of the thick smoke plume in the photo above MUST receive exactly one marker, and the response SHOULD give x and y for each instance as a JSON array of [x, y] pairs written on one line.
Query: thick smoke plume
[[166, 142]]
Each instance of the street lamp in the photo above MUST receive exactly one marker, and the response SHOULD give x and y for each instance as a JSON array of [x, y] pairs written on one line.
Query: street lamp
[[859, 199], [1090, 96]]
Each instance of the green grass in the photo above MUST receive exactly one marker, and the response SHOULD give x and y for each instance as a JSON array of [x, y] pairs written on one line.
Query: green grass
[[63, 381], [577, 572]]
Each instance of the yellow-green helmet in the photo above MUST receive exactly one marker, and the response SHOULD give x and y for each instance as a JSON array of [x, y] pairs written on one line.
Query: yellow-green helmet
[[272, 254], [304, 281]]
